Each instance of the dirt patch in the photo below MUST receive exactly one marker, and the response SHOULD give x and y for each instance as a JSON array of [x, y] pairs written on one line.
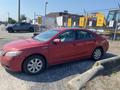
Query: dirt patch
[[108, 79], [114, 47]]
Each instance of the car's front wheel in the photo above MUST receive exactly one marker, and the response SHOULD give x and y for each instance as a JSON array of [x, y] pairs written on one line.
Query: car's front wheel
[[97, 54], [34, 64], [10, 30]]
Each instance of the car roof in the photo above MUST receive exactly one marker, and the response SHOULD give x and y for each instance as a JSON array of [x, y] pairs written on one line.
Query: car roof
[[64, 29], [75, 29]]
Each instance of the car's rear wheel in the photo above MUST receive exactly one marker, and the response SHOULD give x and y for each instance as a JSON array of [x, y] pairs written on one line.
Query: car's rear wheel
[[34, 64], [31, 29], [97, 54]]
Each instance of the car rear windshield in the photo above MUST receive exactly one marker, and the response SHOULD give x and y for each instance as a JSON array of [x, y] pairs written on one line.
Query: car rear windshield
[[46, 36]]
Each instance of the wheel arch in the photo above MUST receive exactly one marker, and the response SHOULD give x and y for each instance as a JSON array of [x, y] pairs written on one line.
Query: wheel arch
[[100, 47], [10, 29], [46, 63], [31, 29]]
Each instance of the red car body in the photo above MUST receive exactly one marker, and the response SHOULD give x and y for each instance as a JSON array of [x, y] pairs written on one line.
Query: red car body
[[53, 53]]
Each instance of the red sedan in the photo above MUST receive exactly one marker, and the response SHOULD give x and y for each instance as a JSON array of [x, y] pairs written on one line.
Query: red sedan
[[50, 48]]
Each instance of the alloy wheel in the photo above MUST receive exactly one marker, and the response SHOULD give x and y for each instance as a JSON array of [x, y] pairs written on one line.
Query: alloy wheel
[[35, 65]]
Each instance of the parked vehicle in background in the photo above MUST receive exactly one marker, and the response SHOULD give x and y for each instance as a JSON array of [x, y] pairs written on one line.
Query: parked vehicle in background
[[52, 47], [20, 27], [41, 29]]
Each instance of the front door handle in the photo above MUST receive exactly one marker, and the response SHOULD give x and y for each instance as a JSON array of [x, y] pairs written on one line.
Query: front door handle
[[77, 44]]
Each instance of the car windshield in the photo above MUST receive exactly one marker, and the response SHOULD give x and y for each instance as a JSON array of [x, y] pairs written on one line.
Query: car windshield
[[46, 36]]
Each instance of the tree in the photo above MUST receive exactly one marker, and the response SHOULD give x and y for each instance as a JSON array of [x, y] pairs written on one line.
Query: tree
[[11, 21], [23, 17]]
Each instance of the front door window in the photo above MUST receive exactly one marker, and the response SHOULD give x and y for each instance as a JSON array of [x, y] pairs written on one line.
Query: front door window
[[67, 36]]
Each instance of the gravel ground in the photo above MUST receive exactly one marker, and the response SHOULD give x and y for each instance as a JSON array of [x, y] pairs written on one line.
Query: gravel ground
[[13, 36], [109, 80], [54, 78]]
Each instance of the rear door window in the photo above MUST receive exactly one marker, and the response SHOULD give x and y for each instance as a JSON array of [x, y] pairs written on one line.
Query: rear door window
[[84, 35]]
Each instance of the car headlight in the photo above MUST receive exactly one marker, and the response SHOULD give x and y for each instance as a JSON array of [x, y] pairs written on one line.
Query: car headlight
[[13, 53], [2, 52]]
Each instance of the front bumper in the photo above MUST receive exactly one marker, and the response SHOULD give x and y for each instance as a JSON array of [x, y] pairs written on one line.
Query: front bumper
[[12, 64]]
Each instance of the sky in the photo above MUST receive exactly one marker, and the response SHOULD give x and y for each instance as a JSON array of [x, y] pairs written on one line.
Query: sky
[[28, 7]]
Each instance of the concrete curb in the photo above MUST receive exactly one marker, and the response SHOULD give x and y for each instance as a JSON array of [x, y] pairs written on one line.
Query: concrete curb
[[108, 63], [78, 82]]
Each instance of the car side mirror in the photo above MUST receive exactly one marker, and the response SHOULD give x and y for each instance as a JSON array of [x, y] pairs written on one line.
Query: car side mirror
[[56, 41]]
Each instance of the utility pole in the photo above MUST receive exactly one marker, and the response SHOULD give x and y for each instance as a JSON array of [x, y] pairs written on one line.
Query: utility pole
[[34, 15], [115, 32], [86, 18], [19, 10], [8, 16], [34, 21]]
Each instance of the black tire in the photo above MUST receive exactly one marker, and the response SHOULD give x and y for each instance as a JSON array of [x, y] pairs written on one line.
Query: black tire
[[31, 29], [97, 54], [10, 30], [27, 64]]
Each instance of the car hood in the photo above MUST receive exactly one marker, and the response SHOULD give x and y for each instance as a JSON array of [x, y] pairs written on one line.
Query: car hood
[[22, 44], [10, 25]]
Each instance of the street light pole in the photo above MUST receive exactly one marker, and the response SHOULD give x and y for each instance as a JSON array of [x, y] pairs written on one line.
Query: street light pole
[[18, 10], [46, 3]]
